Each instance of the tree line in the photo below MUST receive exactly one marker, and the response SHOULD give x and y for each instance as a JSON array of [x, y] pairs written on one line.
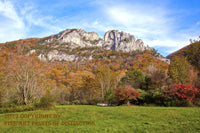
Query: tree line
[[27, 81]]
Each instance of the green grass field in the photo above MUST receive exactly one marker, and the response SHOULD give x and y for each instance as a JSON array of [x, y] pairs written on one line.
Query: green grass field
[[93, 119]]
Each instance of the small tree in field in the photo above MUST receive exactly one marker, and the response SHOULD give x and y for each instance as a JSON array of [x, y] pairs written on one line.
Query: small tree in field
[[181, 92], [126, 94]]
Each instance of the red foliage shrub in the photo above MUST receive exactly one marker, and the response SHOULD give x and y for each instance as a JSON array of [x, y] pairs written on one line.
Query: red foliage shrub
[[126, 93], [182, 92]]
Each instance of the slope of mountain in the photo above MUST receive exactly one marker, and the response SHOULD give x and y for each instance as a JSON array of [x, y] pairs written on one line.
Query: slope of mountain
[[65, 42], [178, 53], [79, 45], [191, 52]]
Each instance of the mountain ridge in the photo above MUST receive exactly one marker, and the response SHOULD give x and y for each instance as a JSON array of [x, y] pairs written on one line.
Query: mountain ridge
[[61, 46], [113, 39]]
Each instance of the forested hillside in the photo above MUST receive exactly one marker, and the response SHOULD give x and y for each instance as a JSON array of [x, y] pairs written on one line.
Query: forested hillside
[[32, 80]]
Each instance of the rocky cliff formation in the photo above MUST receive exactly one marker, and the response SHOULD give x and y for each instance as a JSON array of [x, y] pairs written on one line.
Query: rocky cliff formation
[[64, 45], [122, 41], [77, 38], [113, 39]]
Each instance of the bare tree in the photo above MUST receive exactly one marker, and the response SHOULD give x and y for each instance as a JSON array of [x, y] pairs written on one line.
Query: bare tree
[[26, 75]]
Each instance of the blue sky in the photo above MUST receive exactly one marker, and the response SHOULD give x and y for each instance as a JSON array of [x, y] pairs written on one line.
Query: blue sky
[[166, 25]]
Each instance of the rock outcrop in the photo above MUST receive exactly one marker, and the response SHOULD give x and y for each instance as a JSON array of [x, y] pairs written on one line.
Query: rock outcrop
[[59, 56], [112, 40], [164, 60], [77, 38], [123, 41], [55, 55]]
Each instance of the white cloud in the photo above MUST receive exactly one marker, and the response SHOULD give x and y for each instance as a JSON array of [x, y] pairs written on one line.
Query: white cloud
[[37, 24], [12, 26], [24, 22], [143, 21], [7, 10], [156, 26]]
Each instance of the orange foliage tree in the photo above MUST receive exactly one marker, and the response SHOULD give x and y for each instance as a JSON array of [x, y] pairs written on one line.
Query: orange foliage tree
[[26, 75], [126, 93]]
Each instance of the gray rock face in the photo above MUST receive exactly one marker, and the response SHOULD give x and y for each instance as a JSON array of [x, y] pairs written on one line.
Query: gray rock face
[[59, 56], [77, 38], [73, 38], [164, 59], [56, 55], [112, 40], [123, 41]]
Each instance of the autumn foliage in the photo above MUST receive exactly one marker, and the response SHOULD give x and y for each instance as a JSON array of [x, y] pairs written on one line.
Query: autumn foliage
[[126, 93], [26, 79], [182, 92]]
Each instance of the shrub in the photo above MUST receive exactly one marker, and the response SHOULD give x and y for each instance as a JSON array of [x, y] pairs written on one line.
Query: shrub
[[94, 101], [182, 94], [20, 108], [76, 102], [84, 102], [142, 96], [169, 102], [127, 40], [46, 102], [109, 96], [65, 103], [12, 102], [197, 103]]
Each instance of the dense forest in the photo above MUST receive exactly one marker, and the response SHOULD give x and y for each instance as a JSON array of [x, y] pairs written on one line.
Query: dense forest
[[112, 77]]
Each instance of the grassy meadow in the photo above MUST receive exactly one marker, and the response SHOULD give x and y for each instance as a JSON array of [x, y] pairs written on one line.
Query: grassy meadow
[[94, 119]]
